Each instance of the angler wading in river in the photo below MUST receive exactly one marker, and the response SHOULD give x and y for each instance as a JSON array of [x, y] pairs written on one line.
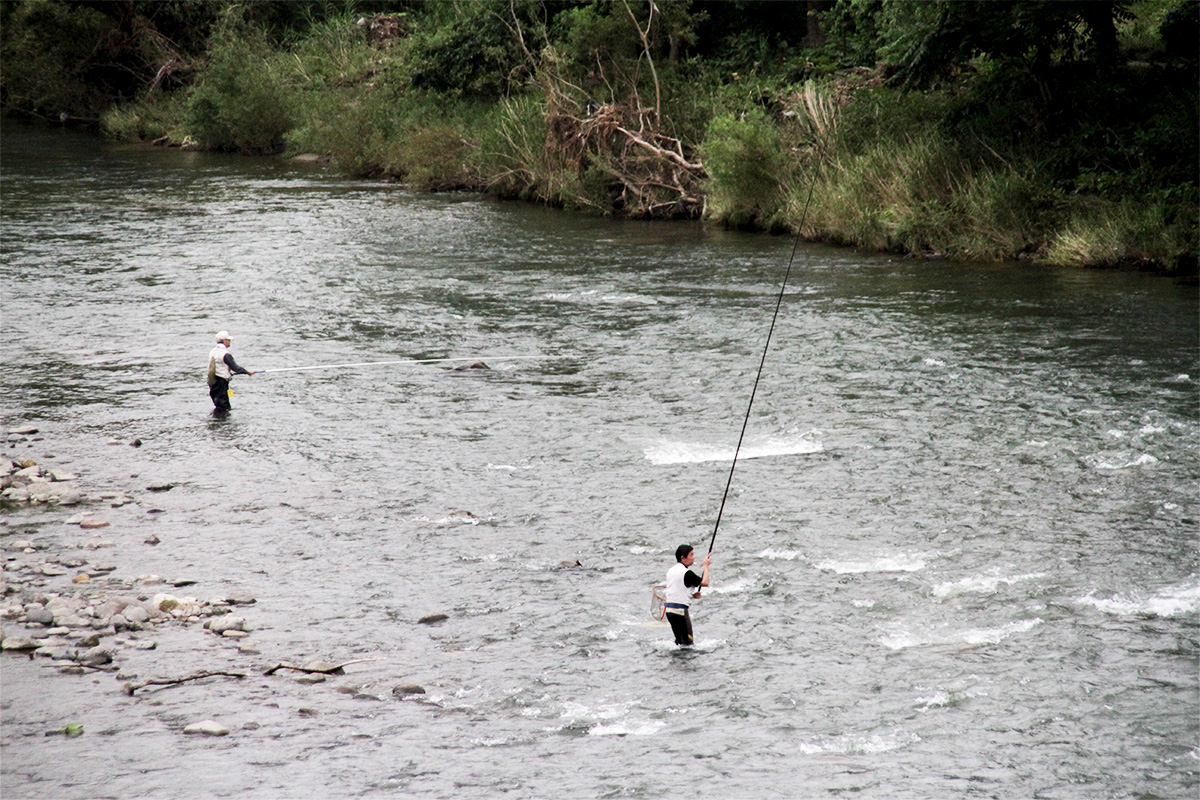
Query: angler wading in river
[[683, 586], [222, 368]]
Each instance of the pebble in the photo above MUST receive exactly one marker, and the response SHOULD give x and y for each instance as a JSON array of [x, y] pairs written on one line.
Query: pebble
[[311, 679], [91, 523]]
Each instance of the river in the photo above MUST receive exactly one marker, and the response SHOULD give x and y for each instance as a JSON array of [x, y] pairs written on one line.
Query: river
[[958, 557]]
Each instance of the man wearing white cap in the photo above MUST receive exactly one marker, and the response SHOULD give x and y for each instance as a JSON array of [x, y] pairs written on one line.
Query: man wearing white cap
[[222, 367]]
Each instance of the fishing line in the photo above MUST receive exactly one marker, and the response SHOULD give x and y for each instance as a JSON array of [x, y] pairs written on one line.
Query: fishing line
[[754, 390], [403, 361]]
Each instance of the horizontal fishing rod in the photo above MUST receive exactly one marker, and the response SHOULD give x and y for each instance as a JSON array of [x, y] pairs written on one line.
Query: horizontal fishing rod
[[403, 361]]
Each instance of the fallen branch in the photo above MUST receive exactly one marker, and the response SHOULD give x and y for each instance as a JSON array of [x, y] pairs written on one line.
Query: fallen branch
[[678, 159], [320, 667], [130, 688]]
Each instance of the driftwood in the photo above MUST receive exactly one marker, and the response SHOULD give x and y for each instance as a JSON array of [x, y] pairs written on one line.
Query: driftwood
[[130, 688], [320, 667]]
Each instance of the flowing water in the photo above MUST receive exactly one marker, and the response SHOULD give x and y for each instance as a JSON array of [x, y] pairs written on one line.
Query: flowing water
[[958, 558]]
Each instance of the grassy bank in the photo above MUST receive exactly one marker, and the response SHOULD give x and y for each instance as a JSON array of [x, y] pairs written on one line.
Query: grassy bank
[[598, 107]]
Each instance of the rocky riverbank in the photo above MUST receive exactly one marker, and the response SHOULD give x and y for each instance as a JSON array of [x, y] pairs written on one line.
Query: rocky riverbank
[[57, 598], [61, 599]]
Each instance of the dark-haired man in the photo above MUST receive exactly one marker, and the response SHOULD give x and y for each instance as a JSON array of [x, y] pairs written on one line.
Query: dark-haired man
[[683, 586]]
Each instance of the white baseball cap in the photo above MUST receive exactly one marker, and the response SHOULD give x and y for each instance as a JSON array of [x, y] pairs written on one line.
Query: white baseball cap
[[223, 335]]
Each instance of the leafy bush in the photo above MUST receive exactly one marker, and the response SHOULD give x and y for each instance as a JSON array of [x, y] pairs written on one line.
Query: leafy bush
[[239, 101], [743, 158]]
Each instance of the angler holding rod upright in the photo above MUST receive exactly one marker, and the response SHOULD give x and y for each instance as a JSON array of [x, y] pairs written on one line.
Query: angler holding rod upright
[[674, 603]]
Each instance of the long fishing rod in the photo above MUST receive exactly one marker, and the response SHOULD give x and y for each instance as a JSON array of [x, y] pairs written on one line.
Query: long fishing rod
[[754, 390], [402, 361]]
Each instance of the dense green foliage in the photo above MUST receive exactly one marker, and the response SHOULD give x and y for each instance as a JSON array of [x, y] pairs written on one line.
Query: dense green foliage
[[1065, 131]]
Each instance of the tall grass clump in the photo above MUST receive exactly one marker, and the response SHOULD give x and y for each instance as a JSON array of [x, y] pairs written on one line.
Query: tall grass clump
[[1104, 233], [239, 101], [523, 160], [155, 119]]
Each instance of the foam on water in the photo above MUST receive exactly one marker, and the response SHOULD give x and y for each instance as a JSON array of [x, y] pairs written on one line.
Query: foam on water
[[779, 555], [610, 719], [859, 743], [972, 636], [981, 584], [1171, 601], [896, 563], [1118, 460], [671, 452]]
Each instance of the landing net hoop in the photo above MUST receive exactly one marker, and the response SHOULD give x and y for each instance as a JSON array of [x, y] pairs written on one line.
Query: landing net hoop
[[658, 609]]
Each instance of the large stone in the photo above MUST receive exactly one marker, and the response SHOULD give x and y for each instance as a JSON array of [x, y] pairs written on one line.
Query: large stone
[[97, 655], [207, 728], [38, 614], [228, 622], [20, 643]]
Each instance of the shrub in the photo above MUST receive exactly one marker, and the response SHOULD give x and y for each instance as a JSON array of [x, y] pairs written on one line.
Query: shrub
[[239, 102], [743, 158]]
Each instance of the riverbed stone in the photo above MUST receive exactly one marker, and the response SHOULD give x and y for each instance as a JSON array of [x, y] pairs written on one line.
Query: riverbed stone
[[92, 523], [207, 728], [228, 622], [405, 689], [97, 655], [19, 643], [136, 614], [38, 614]]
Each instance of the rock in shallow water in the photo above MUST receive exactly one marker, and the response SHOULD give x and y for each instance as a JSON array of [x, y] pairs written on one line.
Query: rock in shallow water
[[207, 728]]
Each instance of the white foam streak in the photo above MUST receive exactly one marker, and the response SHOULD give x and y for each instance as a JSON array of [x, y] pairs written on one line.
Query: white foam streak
[[897, 563], [1119, 460], [1171, 601], [668, 452], [972, 636], [981, 584], [851, 743], [779, 555]]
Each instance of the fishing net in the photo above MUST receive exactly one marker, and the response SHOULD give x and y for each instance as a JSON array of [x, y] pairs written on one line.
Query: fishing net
[[657, 609]]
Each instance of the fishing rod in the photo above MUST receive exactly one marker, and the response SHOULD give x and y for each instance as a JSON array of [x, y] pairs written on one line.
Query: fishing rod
[[754, 390], [402, 361]]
